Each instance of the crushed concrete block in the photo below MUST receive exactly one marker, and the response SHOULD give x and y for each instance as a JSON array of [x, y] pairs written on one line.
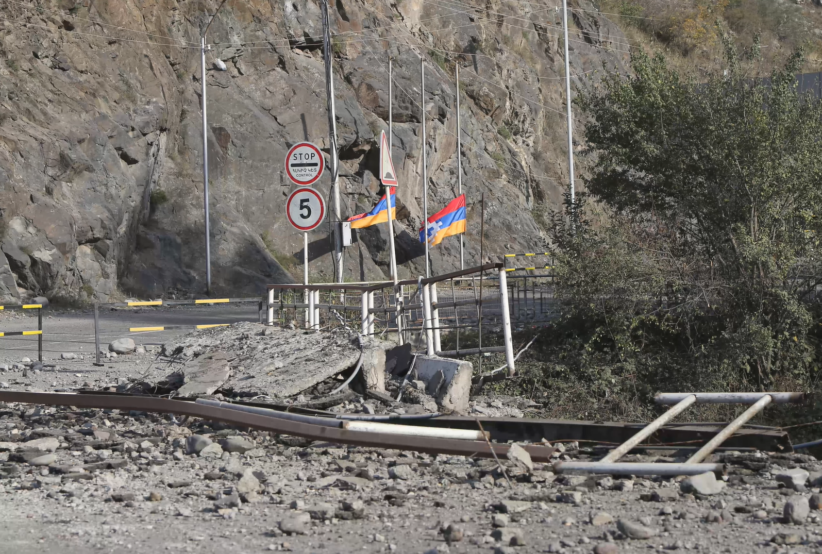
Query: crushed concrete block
[[453, 392], [373, 364]]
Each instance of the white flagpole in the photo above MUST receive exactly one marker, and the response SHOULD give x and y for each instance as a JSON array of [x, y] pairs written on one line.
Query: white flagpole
[[424, 171]]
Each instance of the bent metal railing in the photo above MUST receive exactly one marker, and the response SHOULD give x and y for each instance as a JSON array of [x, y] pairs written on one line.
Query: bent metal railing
[[426, 306]]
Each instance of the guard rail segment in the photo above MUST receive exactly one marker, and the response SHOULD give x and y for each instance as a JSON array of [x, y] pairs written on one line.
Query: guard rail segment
[[454, 447], [39, 332]]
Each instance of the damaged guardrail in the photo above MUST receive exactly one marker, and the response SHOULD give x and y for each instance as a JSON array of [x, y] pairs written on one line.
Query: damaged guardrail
[[397, 309], [682, 401]]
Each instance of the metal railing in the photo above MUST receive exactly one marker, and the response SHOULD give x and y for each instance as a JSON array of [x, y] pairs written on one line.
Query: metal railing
[[426, 307]]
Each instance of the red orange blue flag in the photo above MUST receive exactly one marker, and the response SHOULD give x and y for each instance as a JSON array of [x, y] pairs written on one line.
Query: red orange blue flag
[[377, 215], [447, 222]]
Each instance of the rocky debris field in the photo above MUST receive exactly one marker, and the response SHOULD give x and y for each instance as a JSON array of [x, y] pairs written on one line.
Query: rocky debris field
[[76, 480]]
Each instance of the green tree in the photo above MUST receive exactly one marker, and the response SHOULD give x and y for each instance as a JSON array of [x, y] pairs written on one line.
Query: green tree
[[706, 267]]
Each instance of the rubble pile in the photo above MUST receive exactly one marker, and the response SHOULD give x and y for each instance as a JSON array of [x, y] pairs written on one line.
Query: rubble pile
[[89, 479]]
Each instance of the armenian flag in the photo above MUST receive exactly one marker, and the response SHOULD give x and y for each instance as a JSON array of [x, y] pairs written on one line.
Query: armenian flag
[[446, 222], [378, 215]]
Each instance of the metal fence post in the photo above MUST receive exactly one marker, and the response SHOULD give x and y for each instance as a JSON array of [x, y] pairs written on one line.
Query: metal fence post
[[435, 318], [270, 317], [40, 336], [506, 322], [426, 318], [96, 335]]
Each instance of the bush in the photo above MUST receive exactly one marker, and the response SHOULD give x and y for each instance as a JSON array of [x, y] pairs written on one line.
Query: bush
[[158, 198], [704, 273]]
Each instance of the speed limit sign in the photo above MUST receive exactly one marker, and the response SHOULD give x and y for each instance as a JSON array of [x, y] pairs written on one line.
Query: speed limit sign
[[305, 209]]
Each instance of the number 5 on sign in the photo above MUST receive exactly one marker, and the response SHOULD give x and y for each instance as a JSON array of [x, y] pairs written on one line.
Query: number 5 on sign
[[305, 209]]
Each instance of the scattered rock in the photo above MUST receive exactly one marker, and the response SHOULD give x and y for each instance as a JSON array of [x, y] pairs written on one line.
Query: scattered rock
[[816, 501], [793, 478], [45, 444], [520, 457], [213, 450], [43, 460], [296, 524], [237, 444], [402, 472], [634, 530], [248, 483], [602, 518], [786, 539], [122, 346], [68, 356], [665, 495], [155, 497], [705, 484], [510, 536], [512, 506], [796, 510], [453, 533], [499, 520], [606, 548]]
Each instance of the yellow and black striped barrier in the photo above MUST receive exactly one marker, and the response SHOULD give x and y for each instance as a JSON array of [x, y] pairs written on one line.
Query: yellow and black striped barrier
[[38, 332], [19, 333], [528, 255], [173, 327]]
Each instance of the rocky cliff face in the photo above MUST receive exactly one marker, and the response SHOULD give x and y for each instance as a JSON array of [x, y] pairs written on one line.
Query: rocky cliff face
[[101, 148]]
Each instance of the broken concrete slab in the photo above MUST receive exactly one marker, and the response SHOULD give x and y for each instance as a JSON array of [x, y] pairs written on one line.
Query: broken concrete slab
[[449, 381], [373, 364], [285, 362], [205, 375]]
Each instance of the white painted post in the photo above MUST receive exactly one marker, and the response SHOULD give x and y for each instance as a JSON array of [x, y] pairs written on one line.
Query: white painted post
[[270, 315], [370, 313], [310, 295], [316, 310], [426, 311], [364, 313], [506, 322], [435, 319]]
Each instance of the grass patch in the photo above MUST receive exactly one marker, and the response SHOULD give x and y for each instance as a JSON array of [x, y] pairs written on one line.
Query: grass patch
[[158, 198], [504, 132], [439, 59]]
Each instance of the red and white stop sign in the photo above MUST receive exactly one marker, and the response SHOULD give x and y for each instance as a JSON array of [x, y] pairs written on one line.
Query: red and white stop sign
[[304, 164]]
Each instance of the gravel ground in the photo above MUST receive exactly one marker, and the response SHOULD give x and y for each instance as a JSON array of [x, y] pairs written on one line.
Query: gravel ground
[[129, 482]]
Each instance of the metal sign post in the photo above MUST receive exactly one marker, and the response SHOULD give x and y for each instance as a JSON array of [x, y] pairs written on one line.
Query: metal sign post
[[205, 164], [568, 108]]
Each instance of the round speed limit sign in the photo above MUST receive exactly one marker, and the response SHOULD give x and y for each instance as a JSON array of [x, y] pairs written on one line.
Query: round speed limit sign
[[305, 209]]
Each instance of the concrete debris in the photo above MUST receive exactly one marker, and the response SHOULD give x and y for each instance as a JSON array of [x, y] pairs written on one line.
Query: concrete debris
[[449, 381], [703, 485], [205, 375], [634, 530], [520, 457], [793, 478]]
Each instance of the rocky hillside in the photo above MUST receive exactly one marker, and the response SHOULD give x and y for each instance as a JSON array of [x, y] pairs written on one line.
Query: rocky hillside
[[101, 148]]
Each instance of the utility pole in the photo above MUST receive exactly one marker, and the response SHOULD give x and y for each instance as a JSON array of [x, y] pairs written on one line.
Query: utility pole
[[205, 147], [205, 161], [568, 108], [459, 161], [332, 139], [424, 170]]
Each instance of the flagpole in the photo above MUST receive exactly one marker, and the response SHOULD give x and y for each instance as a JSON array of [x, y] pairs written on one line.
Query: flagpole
[[459, 163], [424, 171], [388, 192]]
